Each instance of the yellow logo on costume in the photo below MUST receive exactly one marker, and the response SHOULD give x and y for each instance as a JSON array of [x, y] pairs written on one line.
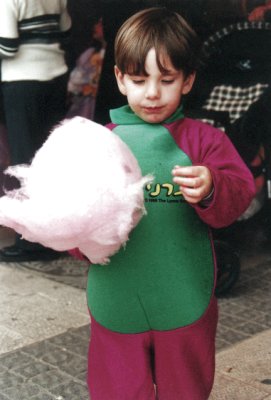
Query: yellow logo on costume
[[162, 192]]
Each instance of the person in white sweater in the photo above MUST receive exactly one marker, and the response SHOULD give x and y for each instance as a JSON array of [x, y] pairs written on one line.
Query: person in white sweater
[[34, 85]]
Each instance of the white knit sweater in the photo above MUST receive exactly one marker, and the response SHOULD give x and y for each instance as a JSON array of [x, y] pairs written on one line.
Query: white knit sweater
[[31, 32]]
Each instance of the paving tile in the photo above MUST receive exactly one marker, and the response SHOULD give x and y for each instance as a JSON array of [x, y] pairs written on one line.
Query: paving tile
[[82, 376], [38, 350], [2, 369], [71, 343], [250, 313], [233, 321], [22, 392], [66, 270], [32, 369], [3, 397], [59, 357], [83, 332], [76, 368], [251, 328], [221, 344], [232, 336], [48, 353], [50, 379], [264, 319], [8, 380], [15, 359], [71, 391], [43, 396]]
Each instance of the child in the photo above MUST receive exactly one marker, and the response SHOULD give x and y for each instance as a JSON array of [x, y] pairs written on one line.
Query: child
[[154, 314]]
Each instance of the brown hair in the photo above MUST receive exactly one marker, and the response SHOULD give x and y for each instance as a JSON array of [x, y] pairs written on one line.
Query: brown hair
[[165, 31]]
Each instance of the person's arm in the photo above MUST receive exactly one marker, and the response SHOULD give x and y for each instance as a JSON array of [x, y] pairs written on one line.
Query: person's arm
[[232, 182], [65, 19], [65, 25], [9, 36]]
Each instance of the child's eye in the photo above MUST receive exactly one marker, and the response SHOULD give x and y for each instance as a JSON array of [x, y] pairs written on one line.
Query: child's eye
[[167, 81], [138, 81]]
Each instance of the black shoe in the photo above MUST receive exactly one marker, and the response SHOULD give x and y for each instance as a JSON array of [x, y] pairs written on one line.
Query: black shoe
[[17, 254]]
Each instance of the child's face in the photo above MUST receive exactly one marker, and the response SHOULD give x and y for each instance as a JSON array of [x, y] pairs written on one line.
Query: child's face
[[154, 97]]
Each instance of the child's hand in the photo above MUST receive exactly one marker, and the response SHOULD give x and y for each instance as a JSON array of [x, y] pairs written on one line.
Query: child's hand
[[195, 182]]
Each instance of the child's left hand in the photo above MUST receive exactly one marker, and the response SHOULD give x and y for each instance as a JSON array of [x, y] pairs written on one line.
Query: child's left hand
[[195, 182]]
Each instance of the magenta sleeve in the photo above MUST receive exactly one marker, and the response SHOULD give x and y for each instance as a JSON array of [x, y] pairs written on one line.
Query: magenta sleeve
[[233, 182]]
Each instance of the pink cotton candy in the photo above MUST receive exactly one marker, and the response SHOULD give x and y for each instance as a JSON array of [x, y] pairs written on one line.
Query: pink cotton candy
[[83, 189]]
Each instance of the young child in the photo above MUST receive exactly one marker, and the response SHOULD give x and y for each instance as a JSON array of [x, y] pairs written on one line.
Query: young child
[[154, 314]]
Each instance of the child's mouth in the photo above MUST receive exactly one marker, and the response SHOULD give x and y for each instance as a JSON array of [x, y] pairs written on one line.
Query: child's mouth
[[152, 110]]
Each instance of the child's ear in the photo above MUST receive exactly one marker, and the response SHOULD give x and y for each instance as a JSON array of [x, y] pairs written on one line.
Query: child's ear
[[119, 77], [188, 83]]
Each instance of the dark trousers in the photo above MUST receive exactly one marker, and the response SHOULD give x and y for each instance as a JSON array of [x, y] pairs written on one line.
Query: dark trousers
[[32, 109]]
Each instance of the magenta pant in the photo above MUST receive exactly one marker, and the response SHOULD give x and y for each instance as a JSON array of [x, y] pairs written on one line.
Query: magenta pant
[[165, 365]]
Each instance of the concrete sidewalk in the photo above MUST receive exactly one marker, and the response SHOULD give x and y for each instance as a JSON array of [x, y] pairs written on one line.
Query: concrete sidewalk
[[44, 331], [243, 371]]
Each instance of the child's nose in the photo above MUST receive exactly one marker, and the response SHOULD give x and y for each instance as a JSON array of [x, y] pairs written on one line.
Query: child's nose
[[152, 91]]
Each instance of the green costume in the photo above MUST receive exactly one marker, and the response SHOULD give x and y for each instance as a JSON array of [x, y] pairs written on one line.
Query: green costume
[[163, 279]]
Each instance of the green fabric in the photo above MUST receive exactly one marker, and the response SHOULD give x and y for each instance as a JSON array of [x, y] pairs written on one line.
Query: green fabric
[[163, 278], [124, 115]]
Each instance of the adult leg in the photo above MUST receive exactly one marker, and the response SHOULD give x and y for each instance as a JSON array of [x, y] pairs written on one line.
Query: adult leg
[[185, 359], [22, 118], [32, 108], [119, 366], [55, 102]]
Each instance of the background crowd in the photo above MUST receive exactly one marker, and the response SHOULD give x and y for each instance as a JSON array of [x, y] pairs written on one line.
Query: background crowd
[[61, 67]]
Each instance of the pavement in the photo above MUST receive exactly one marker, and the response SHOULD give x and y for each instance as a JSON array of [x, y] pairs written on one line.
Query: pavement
[[44, 328]]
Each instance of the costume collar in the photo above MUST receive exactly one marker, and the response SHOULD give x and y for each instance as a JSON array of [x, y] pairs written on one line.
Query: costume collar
[[125, 116]]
